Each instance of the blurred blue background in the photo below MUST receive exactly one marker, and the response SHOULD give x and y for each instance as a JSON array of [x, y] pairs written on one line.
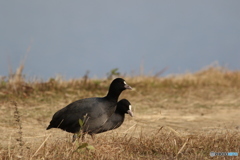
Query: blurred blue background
[[71, 37]]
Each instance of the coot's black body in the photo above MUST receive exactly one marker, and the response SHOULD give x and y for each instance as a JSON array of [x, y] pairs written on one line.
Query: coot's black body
[[117, 118], [95, 111]]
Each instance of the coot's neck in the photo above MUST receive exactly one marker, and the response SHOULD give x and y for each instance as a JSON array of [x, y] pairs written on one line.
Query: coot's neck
[[113, 95]]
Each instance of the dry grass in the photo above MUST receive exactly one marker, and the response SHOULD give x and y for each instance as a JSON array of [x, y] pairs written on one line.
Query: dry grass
[[157, 145], [178, 117]]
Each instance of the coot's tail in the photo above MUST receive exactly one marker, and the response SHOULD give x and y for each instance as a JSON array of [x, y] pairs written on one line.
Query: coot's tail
[[49, 127]]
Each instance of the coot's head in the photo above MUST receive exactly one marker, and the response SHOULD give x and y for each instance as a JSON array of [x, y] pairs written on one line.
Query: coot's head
[[119, 85], [124, 106]]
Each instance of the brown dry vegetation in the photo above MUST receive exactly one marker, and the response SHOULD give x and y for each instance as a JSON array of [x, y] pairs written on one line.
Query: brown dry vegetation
[[178, 117]]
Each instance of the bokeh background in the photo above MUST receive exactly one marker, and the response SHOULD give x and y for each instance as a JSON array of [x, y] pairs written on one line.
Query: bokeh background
[[135, 36]]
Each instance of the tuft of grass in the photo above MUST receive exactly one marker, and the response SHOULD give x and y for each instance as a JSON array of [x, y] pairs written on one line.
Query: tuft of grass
[[19, 135]]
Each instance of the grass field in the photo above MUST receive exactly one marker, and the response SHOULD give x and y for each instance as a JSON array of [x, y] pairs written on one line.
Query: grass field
[[179, 117]]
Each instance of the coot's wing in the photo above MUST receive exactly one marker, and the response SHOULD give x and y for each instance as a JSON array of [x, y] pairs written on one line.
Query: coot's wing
[[68, 117], [93, 110]]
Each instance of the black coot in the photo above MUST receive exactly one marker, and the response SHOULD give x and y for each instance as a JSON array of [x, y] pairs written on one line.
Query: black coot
[[93, 111], [117, 118]]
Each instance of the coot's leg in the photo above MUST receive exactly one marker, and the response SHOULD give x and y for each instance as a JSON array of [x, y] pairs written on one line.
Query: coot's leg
[[75, 136], [93, 136], [83, 136]]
